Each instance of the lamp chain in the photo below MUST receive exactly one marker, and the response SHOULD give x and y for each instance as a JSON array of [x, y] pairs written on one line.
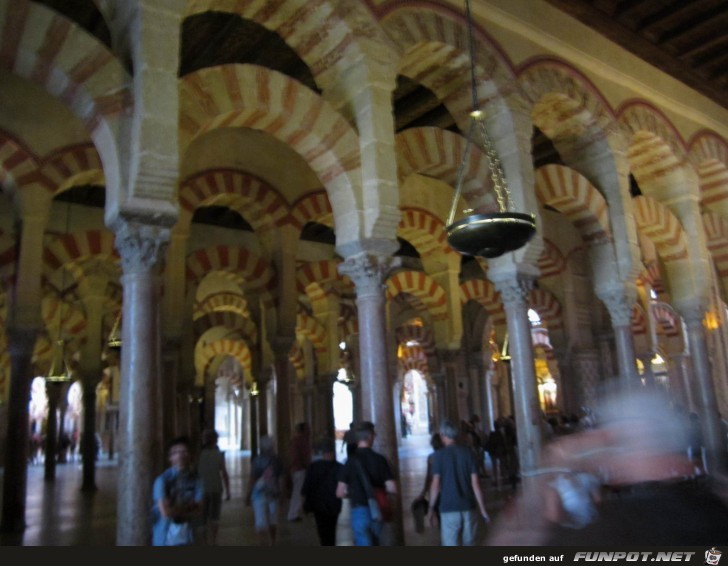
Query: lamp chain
[[500, 185], [477, 117]]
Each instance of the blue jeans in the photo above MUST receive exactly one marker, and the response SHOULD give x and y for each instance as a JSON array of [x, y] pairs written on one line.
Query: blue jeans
[[458, 528], [366, 532]]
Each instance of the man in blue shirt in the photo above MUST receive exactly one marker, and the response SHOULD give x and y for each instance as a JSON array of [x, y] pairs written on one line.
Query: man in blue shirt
[[178, 497]]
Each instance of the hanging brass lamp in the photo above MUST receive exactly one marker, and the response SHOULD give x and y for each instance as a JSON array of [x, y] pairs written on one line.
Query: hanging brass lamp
[[59, 372], [491, 234]]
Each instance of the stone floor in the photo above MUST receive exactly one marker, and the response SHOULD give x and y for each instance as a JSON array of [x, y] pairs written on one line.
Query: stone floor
[[59, 514]]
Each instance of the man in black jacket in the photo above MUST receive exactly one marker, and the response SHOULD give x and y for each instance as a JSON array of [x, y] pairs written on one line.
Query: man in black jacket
[[319, 491]]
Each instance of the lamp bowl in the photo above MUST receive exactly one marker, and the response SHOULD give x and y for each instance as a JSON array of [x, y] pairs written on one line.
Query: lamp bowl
[[491, 235]]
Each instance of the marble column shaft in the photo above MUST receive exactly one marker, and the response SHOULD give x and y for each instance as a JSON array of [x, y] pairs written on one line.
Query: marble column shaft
[[141, 248], [369, 271], [619, 305], [53, 392], [23, 325], [713, 437], [90, 377], [283, 422], [525, 391], [15, 480]]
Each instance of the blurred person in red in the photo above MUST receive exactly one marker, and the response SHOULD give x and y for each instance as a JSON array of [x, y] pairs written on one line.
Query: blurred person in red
[[627, 481]]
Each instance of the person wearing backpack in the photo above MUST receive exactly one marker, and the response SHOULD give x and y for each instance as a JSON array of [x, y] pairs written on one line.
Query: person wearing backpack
[[375, 468], [265, 486]]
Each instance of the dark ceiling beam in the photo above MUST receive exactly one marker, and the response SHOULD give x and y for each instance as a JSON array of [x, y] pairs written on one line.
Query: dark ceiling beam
[[614, 30]]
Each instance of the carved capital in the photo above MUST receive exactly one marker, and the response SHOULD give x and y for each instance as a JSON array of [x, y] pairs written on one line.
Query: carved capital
[[368, 272], [141, 246], [514, 291], [619, 305], [693, 312], [281, 346]]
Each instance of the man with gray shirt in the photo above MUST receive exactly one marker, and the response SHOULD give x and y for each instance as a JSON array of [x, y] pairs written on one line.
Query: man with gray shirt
[[455, 480]]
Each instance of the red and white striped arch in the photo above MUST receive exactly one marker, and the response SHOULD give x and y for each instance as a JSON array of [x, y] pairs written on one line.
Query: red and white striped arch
[[421, 286], [66, 249], [414, 363], [656, 150], [227, 319], [547, 306], [422, 335], [320, 33], [566, 102], [256, 272], [638, 320], [716, 236], [221, 302], [314, 207], [573, 195], [434, 46], [652, 276], [55, 53], [237, 349], [247, 96], [551, 262], [709, 156], [7, 258], [668, 320], [16, 162], [297, 359], [73, 165], [323, 273], [485, 293], [436, 153], [256, 200], [424, 231], [308, 327], [661, 226]]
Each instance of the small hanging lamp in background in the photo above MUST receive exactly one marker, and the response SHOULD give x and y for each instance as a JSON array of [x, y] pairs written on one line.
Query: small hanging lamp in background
[[114, 341], [59, 372], [492, 234]]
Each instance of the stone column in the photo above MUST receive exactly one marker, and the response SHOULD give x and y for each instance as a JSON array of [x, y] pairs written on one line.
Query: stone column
[[439, 412], [253, 403], [15, 478], [93, 300], [680, 381], [454, 378], [325, 390], [585, 371], [619, 304], [478, 396], [514, 292], [141, 248], [62, 408], [369, 271], [174, 389], [647, 374], [23, 324], [284, 425], [53, 392], [706, 403]]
